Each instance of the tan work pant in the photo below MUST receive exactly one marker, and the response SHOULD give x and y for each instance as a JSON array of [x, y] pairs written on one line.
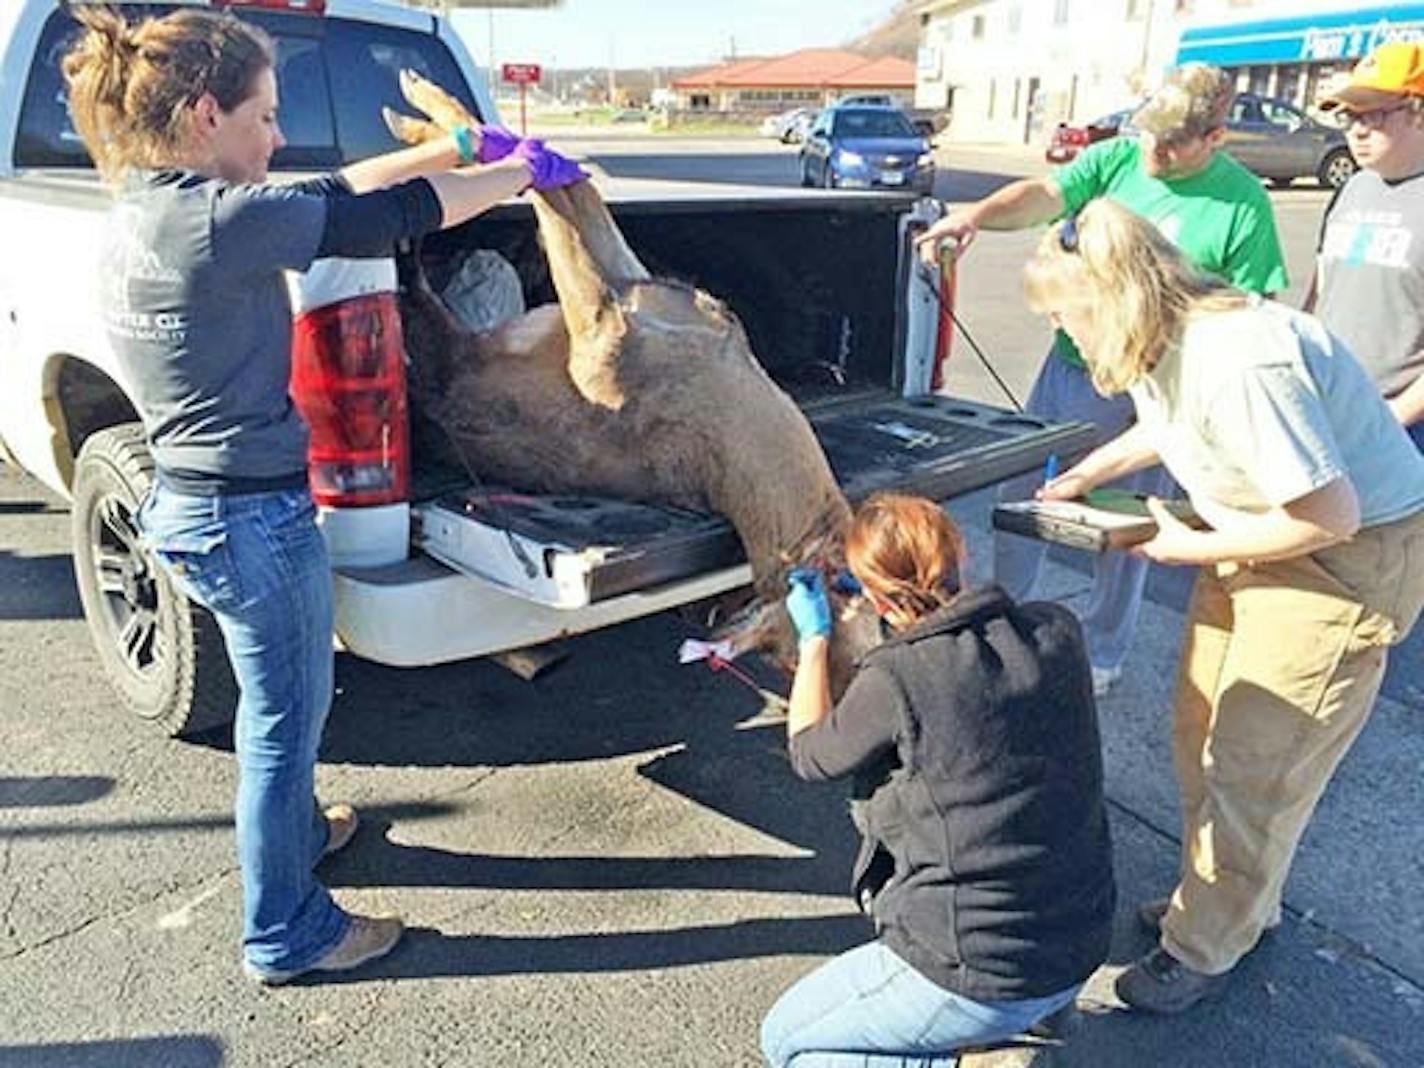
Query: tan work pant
[[1281, 667]]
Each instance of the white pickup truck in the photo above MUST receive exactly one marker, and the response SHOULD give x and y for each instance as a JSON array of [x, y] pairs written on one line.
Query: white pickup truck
[[430, 565]]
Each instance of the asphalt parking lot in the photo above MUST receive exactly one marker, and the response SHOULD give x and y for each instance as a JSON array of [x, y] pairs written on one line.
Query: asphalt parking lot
[[611, 865]]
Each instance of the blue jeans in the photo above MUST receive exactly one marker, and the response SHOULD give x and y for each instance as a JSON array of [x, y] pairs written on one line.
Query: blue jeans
[[868, 1008], [1064, 392], [258, 563]]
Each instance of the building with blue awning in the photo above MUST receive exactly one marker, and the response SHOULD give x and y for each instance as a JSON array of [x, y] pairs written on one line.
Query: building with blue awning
[[1293, 55]]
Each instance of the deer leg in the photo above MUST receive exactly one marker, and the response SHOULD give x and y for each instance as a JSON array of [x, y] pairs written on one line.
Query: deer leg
[[433, 335], [589, 262]]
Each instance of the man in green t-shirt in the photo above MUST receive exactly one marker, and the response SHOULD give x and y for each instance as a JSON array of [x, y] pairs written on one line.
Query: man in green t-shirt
[[1215, 211]]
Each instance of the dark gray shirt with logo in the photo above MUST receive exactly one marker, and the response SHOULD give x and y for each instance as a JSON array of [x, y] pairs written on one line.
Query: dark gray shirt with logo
[[1372, 276], [199, 316], [198, 312]]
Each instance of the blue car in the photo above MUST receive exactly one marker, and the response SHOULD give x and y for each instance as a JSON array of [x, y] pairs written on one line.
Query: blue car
[[866, 147]]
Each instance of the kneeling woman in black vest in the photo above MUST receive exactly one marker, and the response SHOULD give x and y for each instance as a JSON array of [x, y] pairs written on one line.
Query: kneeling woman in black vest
[[972, 738]]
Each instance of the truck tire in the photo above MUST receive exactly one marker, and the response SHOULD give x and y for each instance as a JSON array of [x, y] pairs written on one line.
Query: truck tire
[[162, 653], [1337, 168]]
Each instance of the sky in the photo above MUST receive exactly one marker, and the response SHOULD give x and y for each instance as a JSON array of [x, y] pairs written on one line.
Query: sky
[[663, 33]]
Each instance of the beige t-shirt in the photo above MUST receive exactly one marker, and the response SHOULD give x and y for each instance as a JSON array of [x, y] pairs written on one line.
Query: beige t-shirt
[[1260, 406]]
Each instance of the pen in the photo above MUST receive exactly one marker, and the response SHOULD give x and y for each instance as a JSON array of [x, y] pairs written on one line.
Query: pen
[[1050, 468]]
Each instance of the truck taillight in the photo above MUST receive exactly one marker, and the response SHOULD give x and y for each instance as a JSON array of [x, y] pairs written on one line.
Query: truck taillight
[[348, 380]]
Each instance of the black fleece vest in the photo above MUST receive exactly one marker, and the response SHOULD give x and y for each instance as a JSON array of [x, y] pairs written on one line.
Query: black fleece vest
[[1002, 886]]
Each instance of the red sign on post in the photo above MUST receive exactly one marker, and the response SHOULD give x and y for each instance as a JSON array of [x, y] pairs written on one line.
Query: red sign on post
[[523, 75]]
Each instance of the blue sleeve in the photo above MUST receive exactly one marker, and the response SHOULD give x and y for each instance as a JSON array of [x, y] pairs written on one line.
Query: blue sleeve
[[862, 728], [1270, 421], [257, 229]]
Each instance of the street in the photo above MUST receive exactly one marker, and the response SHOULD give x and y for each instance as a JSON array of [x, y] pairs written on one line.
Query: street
[[612, 865]]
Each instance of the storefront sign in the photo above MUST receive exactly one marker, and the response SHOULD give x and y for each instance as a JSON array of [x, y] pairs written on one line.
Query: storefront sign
[[1355, 42], [1343, 35]]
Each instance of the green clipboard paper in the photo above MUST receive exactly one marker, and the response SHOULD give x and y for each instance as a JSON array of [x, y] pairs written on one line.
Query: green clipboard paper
[[1100, 520]]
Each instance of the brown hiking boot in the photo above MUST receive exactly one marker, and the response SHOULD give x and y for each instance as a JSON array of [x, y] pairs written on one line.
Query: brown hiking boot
[[368, 938], [1159, 982], [341, 824]]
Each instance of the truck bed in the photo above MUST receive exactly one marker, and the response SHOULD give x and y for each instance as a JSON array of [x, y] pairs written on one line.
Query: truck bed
[[571, 552]]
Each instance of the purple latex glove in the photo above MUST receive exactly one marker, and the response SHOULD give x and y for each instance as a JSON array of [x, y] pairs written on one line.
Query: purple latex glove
[[495, 143], [547, 169]]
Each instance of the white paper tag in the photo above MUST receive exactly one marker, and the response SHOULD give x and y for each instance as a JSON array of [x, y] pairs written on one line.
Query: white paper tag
[[692, 650]]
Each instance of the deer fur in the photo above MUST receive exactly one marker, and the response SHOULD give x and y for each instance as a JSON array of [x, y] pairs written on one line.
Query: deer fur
[[637, 388]]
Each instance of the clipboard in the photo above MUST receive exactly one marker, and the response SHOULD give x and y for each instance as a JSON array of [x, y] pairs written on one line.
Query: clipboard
[[1102, 519]]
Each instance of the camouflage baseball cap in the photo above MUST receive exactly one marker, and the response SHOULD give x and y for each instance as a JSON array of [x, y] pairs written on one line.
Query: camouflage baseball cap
[[1391, 71], [1193, 101]]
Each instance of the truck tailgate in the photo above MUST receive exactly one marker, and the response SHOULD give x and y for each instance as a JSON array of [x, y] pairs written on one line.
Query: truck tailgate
[[570, 551]]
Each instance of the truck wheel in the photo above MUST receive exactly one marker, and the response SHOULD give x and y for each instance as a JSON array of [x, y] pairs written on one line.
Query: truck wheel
[[1337, 168], [162, 653]]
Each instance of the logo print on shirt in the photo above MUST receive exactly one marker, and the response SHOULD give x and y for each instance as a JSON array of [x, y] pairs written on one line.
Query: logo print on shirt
[[132, 260], [1375, 243], [133, 257]]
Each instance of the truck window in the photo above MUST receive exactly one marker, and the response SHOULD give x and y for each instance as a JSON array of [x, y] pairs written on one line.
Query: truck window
[[304, 106], [319, 61], [365, 62]]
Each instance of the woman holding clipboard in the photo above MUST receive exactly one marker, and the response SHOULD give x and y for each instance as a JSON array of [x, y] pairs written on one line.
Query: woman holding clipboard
[[1312, 568]]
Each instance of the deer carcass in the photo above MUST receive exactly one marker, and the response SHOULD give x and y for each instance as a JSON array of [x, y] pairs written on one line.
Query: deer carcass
[[644, 389]]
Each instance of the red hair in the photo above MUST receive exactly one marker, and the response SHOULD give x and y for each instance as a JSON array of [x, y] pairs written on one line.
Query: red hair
[[905, 551]]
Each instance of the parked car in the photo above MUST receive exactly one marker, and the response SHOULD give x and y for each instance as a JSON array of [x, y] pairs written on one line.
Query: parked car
[[874, 100], [928, 121], [789, 127], [1280, 142], [865, 148], [1068, 140], [799, 126]]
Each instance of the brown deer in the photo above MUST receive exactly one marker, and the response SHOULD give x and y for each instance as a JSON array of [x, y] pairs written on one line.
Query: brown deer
[[637, 388]]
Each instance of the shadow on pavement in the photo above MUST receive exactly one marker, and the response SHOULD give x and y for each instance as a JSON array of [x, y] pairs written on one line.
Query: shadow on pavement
[[591, 707], [375, 861], [46, 791], [418, 810], [426, 953], [170, 1051], [8, 508], [38, 588]]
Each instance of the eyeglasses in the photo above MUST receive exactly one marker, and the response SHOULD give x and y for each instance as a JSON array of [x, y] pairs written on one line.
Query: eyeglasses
[[1373, 119], [1068, 234]]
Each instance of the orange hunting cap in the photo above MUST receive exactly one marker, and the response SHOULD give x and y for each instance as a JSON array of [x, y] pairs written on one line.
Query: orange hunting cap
[[1392, 70]]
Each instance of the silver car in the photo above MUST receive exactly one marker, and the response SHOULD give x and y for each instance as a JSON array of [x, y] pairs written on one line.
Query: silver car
[[1281, 143]]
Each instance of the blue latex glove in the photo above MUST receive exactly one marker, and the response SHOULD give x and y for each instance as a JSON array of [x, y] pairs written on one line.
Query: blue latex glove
[[845, 582], [547, 169], [807, 605], [495, 143]]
